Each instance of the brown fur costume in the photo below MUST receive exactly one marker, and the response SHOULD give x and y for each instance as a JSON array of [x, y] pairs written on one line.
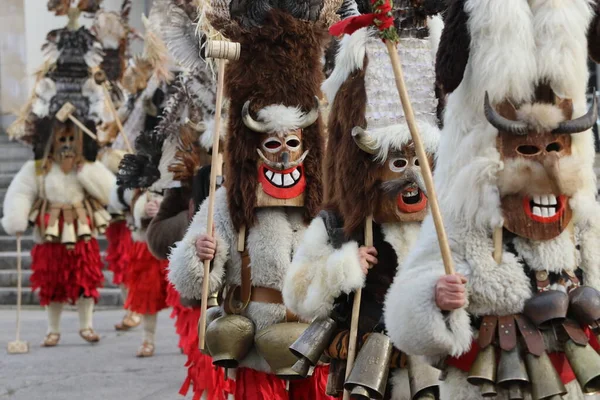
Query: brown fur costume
[[272, 47]]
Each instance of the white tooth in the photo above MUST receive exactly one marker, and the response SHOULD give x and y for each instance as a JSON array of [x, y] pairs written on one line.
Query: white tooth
[[277, 179], [545, 200], [537, 199], [552, 200], [296, 174], [537, 211], [545, 212], [287, 180], [269, 174], [551, 212]]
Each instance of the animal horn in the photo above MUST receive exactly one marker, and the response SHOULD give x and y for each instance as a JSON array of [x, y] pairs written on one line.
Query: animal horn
[[250, 122], [580, 124], [503, 124], [312, 116], [364, 141]]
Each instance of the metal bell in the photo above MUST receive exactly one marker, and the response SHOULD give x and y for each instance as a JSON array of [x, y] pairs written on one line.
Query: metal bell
[[585, 363], [33, 216], [273, 344], [545, 308], [51, 233], [483, 371], [369, 376], [229, 339], [100, 222], [311, 344], [585, 305], [545, 381], [68, 237], [512, 373], [423, 379], [83, 230]]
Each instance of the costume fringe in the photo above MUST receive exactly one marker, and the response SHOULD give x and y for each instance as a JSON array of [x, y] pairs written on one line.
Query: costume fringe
[[146, 281], [63, 275], [118, 253]]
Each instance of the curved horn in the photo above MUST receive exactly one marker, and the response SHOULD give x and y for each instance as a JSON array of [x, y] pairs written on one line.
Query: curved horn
[[312, 116], [501, 123], [250, 122], [364, 141], [580, 124]]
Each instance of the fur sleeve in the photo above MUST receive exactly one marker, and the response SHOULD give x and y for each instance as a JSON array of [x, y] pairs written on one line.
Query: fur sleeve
[[588, 236], [186, 270], [19, 199], [594, 36], [415, 323], [453, 53], [319, 274], [97, 180]]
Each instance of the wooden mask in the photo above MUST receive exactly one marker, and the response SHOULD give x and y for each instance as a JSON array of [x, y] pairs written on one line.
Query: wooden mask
[[67, 147]]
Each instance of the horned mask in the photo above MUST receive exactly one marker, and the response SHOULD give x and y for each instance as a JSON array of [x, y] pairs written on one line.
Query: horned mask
[[539, 175], [281, 175]]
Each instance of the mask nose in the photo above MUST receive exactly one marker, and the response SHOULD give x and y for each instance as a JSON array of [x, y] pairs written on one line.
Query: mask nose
[[286, 159]]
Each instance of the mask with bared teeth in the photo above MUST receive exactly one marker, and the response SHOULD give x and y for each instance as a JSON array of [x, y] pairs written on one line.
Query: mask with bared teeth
[[538, 178]]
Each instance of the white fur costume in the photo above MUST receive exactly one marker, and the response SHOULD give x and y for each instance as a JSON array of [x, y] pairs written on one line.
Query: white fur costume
[[514, 45]]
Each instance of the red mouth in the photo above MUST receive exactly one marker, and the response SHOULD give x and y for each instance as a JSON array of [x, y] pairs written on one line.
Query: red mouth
[[286, 184], [545, 209], [411, 201]]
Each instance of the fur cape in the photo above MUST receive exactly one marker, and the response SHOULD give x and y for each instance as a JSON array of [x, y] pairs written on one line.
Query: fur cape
[[272, 70]]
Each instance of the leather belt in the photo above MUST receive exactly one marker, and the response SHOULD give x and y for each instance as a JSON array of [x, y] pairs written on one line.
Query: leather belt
[[259, 295]]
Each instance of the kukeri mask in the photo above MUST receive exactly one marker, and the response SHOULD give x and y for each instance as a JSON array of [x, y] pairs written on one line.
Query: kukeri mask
[[538, 208], [281, 174], [66, 147], [403, 196]]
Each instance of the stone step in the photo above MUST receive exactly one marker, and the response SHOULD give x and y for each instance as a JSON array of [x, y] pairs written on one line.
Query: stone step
[[11, 167], [5, 180], [8, 278], [8, 260], [15, 152], [109, 297]]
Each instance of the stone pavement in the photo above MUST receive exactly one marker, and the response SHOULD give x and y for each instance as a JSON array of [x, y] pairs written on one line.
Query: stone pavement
[[76, 370]]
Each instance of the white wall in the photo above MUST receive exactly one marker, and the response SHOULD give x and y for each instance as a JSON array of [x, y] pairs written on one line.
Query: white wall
[[38, 22]]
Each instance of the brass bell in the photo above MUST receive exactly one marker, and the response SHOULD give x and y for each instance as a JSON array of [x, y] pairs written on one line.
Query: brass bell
[[100, 222], [585, 305], [585, 362], [545, 308], [545, 381], [369, 376], [105, 214], [229, 339], [273, 344], [423, 379], [33, 216], [483, 372], [83, 230], [68, 237], [512, 374], [51, 233], [312, 344]]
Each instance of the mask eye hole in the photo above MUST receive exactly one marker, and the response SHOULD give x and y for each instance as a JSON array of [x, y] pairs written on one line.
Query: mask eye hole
[[398, 164], [416, 162], [71, 138], [62, 139], [292, 143], [272, 145], [528, 150], [555, 146]]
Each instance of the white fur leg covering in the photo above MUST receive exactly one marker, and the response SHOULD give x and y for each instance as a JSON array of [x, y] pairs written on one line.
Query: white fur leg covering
[[54, 311], [149, 327], [85, 308]]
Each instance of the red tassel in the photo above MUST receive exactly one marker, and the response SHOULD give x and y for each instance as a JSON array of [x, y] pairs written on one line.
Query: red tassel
[[118, 252], [147, 281], [381, 19]]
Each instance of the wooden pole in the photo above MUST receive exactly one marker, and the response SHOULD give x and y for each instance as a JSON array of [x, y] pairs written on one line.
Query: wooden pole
[[422, 156], [497, 237], [115, 114], [18, 346], [352, 340], [83, 127], [211, 199]]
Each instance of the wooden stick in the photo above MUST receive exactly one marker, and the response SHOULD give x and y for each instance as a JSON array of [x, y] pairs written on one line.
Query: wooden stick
[[115, 114], [497, 237], [83, 127], [352, 340], [19, 286], [422, 156], [211, 199]]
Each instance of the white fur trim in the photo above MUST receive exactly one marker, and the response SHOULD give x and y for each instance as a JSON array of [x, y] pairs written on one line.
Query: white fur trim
[[206, 139], [350, 57], [45, 90], [319, 274], [281, 119], [114, 202], [186, 270], [19, 198], [393, 137], [97, 180], [436, 26]]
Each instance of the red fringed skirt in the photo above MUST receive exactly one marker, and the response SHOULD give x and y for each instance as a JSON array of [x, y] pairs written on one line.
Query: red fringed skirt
[[63, 275], [254, 385], [118, 252], [146, 281], [186, 320]]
